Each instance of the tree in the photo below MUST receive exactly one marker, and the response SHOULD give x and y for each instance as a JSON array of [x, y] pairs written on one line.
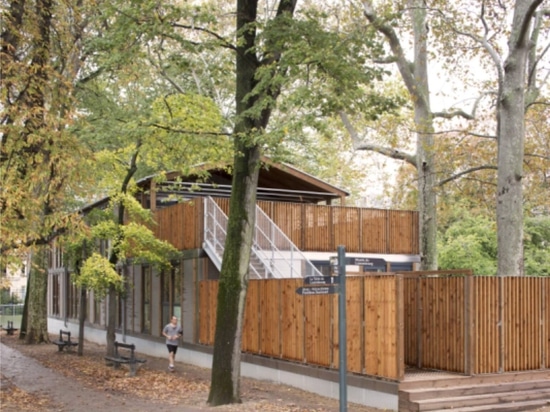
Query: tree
[[415, 78], [513, 83], [39, 158]]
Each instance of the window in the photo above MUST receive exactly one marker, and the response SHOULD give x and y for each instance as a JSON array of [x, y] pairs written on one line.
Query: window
[[171, 289], [55, 295], [72, 301], [146, 293]]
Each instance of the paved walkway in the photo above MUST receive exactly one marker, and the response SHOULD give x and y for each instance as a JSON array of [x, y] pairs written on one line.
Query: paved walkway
[[66, 394]]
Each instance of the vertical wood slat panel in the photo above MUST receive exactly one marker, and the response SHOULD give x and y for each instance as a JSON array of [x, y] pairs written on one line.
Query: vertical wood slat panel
[[270, 317], [288, 217], [180, 224], [318, 229], [251, 323], [345, 223], [402, 233], [317, 331], [292, 329], [354, 325], [486, 320], [522, 318], [380, 330], [545, 298], [410, 287], [374, 230]]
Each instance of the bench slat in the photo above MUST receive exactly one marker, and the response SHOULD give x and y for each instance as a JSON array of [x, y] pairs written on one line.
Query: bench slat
[[131, 360]]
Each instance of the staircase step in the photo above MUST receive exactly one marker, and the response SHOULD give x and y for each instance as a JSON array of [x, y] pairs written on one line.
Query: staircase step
[[479, 389], [442, 380], [504, 407], [489, 399]]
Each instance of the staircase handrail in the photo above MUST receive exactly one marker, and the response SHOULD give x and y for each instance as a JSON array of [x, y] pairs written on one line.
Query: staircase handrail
[[279, 257], [215, 232], [283, 255]]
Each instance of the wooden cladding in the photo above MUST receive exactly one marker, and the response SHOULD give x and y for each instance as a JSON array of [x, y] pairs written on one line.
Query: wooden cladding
[[477, 324], [282, 324], [449, 321], [180, 224], [310, 227]]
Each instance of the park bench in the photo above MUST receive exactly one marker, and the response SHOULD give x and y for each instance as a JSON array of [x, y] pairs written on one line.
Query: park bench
[[10, 329], [130, 360], [64, 340]]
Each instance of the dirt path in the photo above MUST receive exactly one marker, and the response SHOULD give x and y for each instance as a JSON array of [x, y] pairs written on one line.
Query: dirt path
[[50, 391], [39, 378]]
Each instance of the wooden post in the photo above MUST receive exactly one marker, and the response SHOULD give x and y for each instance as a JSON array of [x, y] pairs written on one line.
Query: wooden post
[[400, 313], [418, 322], [469, 316]]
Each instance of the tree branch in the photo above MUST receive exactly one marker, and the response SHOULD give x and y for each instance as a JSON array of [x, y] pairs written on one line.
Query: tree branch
[[358, 144], [465, 172], [191, 132], [224, 42]]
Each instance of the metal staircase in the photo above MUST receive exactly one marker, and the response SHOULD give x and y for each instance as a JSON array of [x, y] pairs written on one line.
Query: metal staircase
[[273, 254]]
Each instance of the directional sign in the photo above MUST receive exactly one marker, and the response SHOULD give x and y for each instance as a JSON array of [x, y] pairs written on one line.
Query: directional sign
[[363, 261], [321, 280], [317, 290]]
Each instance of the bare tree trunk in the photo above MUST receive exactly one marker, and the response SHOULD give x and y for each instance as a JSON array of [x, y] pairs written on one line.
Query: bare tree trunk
[[424, 140], [511, 141], [415, 76]]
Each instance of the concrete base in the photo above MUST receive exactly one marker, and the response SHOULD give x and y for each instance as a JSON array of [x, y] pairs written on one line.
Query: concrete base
[[360, 389]]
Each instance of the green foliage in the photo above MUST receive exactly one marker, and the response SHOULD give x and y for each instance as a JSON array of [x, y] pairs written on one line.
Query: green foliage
[[9, 298], [98, 274], [469, 242], [537, 246]]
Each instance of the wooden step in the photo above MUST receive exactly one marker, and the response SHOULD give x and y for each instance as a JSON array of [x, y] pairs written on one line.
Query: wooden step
[[499, 392], [508, 407], [449, 380], [463, 390], [484, 400]]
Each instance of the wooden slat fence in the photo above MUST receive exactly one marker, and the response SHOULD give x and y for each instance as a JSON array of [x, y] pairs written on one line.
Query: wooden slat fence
[[436, 323], [476, 324], [282, 324], [449, 321], [310, 227]]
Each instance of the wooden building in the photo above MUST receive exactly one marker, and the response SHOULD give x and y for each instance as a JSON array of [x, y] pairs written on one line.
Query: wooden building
[[399, 320]]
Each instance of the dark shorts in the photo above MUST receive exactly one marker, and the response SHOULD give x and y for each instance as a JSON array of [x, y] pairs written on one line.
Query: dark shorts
[[172, 348]]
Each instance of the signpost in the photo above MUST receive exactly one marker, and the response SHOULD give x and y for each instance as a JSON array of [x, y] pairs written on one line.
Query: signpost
[[342, 329], [321, 280], [317, 290], [363, 261], [327, 285]]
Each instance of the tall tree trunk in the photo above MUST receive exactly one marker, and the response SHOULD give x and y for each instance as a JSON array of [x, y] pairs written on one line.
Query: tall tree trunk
[[81, 320], [234, 279], [25, 317], [424, 140], [226, 361], [415, 76], [111, 321], [37, 322], [511, 138]]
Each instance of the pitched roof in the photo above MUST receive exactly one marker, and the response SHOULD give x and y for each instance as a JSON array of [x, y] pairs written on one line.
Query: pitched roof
[[277, 182]]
